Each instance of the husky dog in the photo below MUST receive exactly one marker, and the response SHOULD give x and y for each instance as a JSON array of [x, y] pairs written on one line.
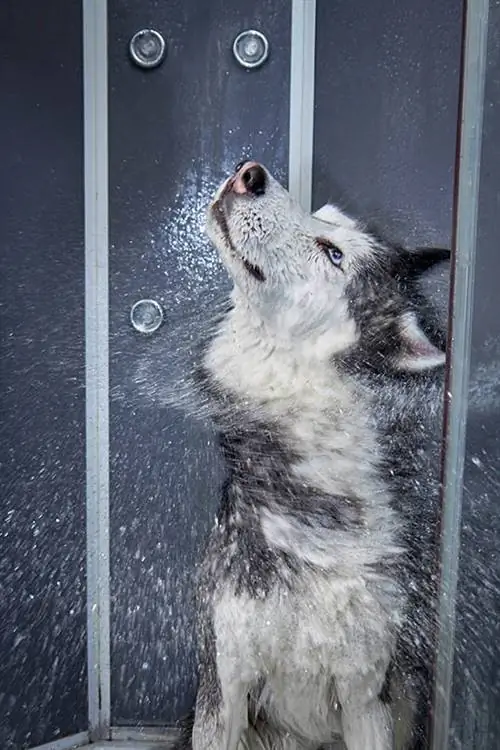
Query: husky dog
[[305, 634]]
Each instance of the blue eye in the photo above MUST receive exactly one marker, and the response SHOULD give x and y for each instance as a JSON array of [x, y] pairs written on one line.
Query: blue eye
[[332, 252], [335, 255]]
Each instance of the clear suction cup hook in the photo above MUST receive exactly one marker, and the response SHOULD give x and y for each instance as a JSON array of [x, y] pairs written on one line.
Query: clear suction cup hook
[[251, 49], [146, 315]]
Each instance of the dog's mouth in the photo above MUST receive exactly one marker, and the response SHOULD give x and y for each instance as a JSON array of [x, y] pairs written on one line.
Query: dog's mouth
[[220, 217]]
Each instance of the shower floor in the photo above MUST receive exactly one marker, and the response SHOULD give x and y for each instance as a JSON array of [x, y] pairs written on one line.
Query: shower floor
[[155, 742], [129, 745], [136, 739]]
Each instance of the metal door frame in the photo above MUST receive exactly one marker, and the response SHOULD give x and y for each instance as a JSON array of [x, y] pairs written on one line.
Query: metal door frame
[[301, 129], [461, 303]]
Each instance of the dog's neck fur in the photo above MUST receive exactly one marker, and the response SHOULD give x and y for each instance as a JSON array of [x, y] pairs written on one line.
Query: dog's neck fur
[[268, 370], [314, 413]]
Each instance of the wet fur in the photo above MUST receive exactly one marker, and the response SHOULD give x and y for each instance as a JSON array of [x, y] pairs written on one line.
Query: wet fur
[[314, 609]]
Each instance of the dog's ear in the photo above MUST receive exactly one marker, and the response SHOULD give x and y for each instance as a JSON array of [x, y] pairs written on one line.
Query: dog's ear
[[416, 353], [413, 264]]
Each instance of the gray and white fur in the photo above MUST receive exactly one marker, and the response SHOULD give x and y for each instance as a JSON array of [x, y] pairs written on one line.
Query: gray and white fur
[[314, 615]]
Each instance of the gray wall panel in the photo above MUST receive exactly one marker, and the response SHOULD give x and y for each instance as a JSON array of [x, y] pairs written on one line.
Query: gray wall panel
[[43, 683], [175, 132], [387, 83]]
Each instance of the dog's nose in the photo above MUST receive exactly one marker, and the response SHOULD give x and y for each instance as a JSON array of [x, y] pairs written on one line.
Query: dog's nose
[[240, 165], [251, 178]]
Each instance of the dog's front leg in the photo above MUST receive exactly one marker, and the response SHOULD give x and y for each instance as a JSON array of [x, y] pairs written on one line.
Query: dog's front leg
[[366, 725], [221, 715]]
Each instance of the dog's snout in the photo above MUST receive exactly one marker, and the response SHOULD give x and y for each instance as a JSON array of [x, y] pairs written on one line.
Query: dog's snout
[[240, 165], [250, 178]]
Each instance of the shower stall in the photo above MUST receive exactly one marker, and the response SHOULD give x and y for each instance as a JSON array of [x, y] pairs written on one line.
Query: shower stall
[[118, 118]]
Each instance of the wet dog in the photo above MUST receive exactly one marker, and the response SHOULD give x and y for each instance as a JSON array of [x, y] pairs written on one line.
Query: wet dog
[[306, 632]]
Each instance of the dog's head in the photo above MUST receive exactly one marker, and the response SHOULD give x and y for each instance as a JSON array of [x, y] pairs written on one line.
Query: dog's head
[[319, 282]]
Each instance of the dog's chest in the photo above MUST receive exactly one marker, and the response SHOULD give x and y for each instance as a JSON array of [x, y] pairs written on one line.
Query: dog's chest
[[322, 625]]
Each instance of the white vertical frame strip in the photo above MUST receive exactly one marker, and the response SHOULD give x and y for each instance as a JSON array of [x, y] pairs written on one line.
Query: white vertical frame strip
[[474, 73], [95, 72], [302, 70]]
